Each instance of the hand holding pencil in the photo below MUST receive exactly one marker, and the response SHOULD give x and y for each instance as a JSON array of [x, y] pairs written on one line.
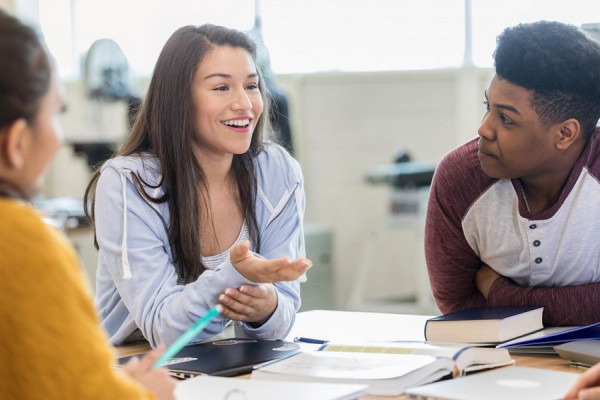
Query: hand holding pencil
[[188, 336], [156, 380]]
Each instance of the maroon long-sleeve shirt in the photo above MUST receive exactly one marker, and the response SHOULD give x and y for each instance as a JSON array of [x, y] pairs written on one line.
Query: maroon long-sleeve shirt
[[551, 259]]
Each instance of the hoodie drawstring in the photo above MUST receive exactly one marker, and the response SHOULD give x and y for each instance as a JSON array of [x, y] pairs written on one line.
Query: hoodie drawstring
[[301, 249], [124, 258], [301, 246]]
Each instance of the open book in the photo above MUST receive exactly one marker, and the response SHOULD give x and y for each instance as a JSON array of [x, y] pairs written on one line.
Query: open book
[[465, 358], [384, 374], [388, 368]]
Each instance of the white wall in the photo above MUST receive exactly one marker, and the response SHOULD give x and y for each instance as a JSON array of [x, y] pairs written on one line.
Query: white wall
[[343, 125]]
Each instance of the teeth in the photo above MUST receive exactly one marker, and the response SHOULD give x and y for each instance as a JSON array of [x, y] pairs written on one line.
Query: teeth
[[237, 122]]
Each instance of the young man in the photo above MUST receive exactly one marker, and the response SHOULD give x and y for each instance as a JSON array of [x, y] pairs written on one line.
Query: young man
[[513, 216]]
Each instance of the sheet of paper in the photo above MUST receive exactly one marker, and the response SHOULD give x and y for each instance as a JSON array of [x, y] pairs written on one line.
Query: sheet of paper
[[350, 365]]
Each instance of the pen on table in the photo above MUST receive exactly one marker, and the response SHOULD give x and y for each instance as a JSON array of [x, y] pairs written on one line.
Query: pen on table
[[187, 336], [309, 340]]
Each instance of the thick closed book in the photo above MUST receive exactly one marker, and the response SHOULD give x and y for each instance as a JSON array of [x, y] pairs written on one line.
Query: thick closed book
[[228, 357], [384, 374], [514, 383], [484, 325], [465, 358], [215, 387]]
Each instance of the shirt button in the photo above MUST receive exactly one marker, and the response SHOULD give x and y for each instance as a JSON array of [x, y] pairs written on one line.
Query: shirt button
[[532, 226], [536, 243], [538, 260]]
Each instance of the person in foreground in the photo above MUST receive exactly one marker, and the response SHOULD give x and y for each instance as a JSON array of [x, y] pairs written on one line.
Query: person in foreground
[[52, 345], [195, 209], [587, 386], [513, 216]]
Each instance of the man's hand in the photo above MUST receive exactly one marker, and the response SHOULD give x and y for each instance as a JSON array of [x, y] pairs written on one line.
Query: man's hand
[[266, 271], [485, 278]]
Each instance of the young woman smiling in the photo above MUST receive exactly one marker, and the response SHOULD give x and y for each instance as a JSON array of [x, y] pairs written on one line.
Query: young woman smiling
[[196, 209]]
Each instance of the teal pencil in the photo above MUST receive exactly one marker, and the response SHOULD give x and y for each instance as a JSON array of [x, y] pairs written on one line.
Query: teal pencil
[[190, 334]]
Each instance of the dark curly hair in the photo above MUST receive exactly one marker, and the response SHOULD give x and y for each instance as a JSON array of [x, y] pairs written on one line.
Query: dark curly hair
[[560, 64]]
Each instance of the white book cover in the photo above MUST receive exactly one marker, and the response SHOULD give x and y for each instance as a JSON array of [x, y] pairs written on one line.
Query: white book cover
[[206, 387], [514, 383]]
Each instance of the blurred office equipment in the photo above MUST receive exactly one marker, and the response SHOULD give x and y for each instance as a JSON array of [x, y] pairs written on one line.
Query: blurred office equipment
[[408, 183], [107, 81], [107, 76], [66, 214]]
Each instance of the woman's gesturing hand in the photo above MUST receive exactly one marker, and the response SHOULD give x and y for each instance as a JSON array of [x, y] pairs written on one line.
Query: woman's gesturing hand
[[260, 270]]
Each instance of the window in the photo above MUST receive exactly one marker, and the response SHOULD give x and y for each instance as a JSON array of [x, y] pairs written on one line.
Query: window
[[140, 27], [306, 35], [491, 17], [351, 35]]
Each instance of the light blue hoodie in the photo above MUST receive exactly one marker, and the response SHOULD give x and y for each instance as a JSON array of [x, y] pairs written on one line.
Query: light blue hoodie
[[136, 279]]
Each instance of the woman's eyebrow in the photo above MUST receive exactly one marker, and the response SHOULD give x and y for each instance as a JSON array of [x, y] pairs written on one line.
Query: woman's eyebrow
[[227, 76]]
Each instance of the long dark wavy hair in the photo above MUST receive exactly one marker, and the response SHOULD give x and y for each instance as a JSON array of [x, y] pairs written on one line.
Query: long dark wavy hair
[[164, 127]]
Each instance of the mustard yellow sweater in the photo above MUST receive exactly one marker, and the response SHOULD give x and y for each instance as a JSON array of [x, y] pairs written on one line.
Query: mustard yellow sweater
[[51, 345]]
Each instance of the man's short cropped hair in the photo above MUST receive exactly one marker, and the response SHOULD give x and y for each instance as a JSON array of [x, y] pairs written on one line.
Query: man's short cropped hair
[[560, 64]]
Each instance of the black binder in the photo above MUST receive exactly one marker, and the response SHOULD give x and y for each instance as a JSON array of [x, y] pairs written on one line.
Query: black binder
[[227, 357]]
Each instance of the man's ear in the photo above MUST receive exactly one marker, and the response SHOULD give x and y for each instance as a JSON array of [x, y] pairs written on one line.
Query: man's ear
[[569, 132], [13, 143]]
